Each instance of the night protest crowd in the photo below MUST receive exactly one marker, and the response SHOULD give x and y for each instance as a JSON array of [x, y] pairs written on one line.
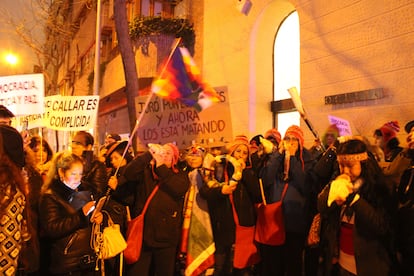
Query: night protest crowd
[[347, 205]]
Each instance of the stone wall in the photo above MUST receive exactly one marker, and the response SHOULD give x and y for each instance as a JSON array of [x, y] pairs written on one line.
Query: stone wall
[[346, 46]]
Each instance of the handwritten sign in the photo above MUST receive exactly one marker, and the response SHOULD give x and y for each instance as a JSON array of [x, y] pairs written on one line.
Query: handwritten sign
[[70, 113], [165, 121], [23, 94], [342, 125]]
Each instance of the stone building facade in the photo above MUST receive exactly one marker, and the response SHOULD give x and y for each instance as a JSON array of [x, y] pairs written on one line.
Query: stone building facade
[[345, 47]]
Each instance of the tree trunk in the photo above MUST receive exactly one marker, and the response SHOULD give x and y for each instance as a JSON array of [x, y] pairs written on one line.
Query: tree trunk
[[128, 61]]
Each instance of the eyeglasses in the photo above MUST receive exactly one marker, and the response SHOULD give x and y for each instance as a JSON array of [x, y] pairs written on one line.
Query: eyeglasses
[[288, 139], [77, 143]]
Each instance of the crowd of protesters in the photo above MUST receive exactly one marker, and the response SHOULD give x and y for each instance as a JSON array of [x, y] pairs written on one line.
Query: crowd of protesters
[[201, 219]]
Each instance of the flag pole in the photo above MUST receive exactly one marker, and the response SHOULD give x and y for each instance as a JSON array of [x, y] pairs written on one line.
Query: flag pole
[[145, 108], [170, 56]]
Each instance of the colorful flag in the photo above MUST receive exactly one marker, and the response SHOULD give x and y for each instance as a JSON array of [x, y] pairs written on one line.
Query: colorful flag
[[197, 244], [181, 80]]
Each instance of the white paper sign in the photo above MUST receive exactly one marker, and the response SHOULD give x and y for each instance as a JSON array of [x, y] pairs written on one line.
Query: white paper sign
[[165, 121], [23, 94], [70, 113]]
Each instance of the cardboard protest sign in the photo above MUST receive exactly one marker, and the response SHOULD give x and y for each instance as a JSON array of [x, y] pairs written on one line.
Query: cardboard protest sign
[[31, 121], [343, 125], [71, 113], [23, 94], [166, 121]]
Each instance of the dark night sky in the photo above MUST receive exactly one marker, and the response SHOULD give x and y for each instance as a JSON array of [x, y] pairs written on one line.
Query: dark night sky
[[10, 42]]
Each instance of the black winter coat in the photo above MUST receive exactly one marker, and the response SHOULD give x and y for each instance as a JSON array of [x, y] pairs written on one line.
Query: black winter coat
[[66, 229], [297, 215], [373, 233], [96, 177], [221, 213], [163, 219]]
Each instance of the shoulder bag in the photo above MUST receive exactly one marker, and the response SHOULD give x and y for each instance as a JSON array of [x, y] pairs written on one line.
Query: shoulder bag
[[135, 232], [270, 225], [113, 240], [245, 250]]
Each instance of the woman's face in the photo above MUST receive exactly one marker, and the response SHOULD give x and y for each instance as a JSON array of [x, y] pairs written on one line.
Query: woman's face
[[194, 160], [330, 139], [40, 154], [72, 177], [291, 144], [117, 160], [351, 168], [167, 155], [215, 151], [241, 152]]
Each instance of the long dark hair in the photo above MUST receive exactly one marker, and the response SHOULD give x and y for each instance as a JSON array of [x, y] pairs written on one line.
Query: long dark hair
[[36, 141], [11, 179]]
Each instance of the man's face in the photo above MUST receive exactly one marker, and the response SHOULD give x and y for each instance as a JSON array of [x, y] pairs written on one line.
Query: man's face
[[78, 145]]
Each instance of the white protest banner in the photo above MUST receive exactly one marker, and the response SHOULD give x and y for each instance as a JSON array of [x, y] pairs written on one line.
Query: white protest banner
[[71, 113], [165, 121], [23, 94], [343, 125]]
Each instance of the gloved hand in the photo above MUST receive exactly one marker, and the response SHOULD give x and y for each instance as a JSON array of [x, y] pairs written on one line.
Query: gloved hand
[[228, 189], [155, 148], [267, 145], [238, 167], [113, 182], [340, 188], [157, 151]]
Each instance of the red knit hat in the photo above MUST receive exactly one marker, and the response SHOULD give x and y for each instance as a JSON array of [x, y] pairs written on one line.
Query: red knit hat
[[238, 140], [389, 130], [295, 131], [273, 133]]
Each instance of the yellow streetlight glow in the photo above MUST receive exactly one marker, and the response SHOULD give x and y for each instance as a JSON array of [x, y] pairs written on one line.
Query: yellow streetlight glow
[[11, 59]]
